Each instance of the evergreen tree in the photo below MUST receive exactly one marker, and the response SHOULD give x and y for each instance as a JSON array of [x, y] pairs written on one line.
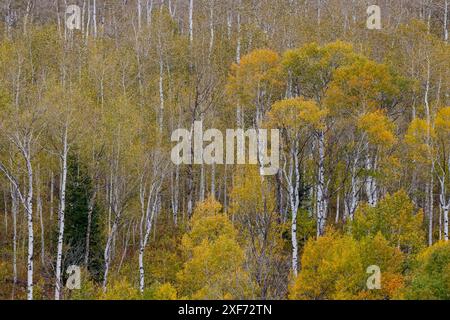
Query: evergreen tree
[[79, 193]]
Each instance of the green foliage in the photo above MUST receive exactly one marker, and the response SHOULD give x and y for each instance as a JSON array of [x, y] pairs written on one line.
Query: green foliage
[[312, 67], [78, 195], [395, 218], [430, 279]]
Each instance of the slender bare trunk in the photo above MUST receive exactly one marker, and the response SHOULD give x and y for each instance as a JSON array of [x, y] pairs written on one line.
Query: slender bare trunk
[[191, 21], [61, 215], [446, 21], [321, 187], [14, 209]]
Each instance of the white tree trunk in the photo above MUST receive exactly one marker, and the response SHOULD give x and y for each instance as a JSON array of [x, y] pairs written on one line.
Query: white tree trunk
[[445, 205], [175, 194], [321, 187], [61, 216], [139, 14], [150, 202], [337, 208], [14, 217], [52, 186], [94, 17], [41, 221], [108, 249], [211, 27], [191, 21], [429, 195], [371, 185], [446, 209], [293, 183], [29, 211], [446, 21], [161, 92], [5, 202]]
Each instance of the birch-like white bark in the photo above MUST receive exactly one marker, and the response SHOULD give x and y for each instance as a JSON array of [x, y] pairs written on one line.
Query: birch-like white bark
[[321, 187], [191, 21], [29, 212], [431, 183], [446, 21], [5, 202], [148, 209], [94, 18], [161, 88], [41, 220], [14, 209], [293, 182], [61, 214], [175, 184], [371, 185], [24, 145], [211, 27], [445, 203], [139, 14], [52, 187]]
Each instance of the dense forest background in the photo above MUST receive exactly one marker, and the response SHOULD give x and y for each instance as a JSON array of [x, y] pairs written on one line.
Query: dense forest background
[[86, 176]]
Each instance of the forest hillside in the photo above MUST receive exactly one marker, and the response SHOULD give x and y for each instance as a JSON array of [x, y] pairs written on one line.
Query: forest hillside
[[224, 149]]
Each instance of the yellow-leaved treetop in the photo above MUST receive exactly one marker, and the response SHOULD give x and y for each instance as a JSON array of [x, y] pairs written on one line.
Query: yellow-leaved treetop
[[335, 267], [295, 115], [378, 127], [214, 258], [255, 82], [416, 140]]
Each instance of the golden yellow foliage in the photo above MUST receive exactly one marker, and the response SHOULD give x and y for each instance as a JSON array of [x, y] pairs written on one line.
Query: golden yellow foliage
[[379, 129], [334, 267], [330, 269], [256, 78], [214, 267], [165, 292], [416, 140], [120, 289], [442, 123], [295, 114]]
